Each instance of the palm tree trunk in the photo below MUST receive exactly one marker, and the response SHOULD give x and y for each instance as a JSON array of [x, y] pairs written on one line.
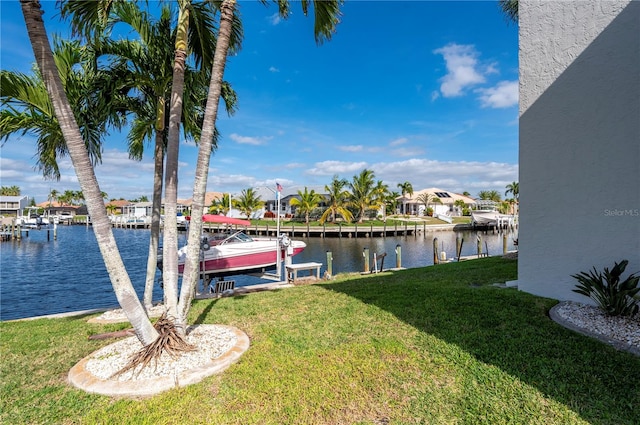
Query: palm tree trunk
[[190, 275], [152, 258], [120, 280], [170, 241]]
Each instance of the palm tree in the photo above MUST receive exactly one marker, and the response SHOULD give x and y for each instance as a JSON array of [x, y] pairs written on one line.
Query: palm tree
[[380, 194], [338, 200], [28, 109], [514, 189], [53, 196], [248, 202], [222, 205], [391, 201], [426, 199], [9, 190], [326, 14], [406, 189], [362, 192], [307, 202], [125, 293], [491, 195], [510, 9]]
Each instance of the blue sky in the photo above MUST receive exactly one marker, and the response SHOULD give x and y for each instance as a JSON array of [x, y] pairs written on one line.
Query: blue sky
[[418, 91]]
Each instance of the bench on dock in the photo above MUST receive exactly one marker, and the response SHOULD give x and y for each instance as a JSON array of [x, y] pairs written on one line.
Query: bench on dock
[[293, 269]]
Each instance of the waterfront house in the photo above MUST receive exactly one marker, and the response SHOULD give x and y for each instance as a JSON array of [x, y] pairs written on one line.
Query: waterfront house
[[445, 206], [13, 206]]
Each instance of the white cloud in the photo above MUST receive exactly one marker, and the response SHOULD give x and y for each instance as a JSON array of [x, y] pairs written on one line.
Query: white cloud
[[504, 95], [274, 19], [246, 140], [351, 148], [341, 168], [399, 141], [273, 69], [456, 176], [462, 69]]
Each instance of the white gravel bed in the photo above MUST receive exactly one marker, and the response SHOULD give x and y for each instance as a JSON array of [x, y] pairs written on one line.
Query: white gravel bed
[[625, 330], [211, 341]]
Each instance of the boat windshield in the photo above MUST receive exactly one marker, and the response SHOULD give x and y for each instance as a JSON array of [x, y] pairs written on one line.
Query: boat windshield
[[238, 237]]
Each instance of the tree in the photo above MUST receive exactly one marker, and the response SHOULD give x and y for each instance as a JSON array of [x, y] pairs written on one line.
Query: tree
[[362, 192], [10, 191], [490, 195], [326, 14], [79, 154], [28, 109], [222, 205], [53, 196], [514, 189], [307, 202], [510, 9], [405, 189], [338, 201], [426, 199], [248, 202], [391, 201]]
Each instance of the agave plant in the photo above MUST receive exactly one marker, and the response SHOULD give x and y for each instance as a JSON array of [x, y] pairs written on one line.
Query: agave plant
[[616, 298]]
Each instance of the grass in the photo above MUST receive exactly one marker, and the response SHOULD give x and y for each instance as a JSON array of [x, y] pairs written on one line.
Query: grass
[[435, 345]]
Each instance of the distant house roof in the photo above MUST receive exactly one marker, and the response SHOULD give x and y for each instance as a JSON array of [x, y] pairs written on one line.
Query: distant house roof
[[209, 198], [119, 203], [56, 204]]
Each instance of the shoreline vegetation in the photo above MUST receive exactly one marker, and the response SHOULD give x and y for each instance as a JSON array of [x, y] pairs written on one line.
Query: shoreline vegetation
[[425, 345]]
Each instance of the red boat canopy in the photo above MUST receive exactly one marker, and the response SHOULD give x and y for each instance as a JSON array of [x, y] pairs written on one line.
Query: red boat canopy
[[214, 218]]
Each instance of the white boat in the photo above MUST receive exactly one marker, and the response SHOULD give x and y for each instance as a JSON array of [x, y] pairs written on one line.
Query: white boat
[[234, 252], [490, 218], [31, 219]]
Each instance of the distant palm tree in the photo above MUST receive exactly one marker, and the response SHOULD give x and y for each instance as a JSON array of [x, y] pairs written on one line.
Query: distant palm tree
[[514, 189], [10, 191], [221, 205], [362, 192], [338, 200], [248, 202], [406, 189], [391, 201], [307, 202], [428, 198], [380, 194], [490, 195], [53, 196]]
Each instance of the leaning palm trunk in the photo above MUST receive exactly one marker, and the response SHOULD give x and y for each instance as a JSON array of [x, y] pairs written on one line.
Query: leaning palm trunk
[[152, 259], [120, 280], [170, 241], [190, 274]]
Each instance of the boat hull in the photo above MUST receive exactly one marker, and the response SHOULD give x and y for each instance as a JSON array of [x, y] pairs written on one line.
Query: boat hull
[[232, 261], [234, 254]]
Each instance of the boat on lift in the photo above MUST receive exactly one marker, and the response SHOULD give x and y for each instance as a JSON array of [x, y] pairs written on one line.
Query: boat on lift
[[233, 252]]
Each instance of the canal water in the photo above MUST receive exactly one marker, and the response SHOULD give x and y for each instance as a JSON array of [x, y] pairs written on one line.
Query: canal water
[[39, 275]]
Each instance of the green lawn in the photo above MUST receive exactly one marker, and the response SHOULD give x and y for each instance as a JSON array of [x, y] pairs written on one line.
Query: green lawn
[[434, 345]]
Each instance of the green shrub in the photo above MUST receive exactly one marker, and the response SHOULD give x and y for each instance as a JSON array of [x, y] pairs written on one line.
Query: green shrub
[[614, 297]]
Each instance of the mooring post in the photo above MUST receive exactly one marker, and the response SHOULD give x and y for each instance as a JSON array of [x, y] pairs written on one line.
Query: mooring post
[[479, 245], [329, 264], [436, 260], [458, 246], [365, 254], [398, 256], [504, 243]]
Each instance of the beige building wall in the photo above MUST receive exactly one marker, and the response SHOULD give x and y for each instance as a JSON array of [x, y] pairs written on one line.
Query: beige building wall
[[579, 141]]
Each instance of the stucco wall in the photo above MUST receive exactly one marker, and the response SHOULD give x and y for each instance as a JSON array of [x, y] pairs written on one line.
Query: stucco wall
[[579, 141]]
